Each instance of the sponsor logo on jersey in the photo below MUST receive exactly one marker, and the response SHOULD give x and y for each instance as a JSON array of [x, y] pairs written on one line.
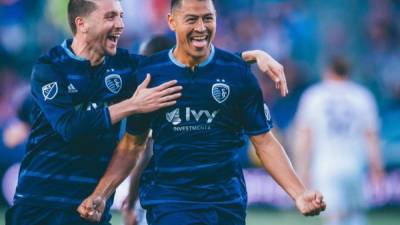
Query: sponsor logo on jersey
[[173, 117], [190, 115], [50, 91], [220, 91], [113, 83]]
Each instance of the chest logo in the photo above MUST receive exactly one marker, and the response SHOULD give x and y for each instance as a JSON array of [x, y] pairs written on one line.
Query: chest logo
[[220, 91], [113, 83], [50, 91]]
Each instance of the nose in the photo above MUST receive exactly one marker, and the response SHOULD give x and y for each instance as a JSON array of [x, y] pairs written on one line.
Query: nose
[[200, 26], [120, 23]]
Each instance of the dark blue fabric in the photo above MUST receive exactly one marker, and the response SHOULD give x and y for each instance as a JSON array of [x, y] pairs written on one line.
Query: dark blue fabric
[[33, 215], [72, 138], [167, 214], [196, 141]]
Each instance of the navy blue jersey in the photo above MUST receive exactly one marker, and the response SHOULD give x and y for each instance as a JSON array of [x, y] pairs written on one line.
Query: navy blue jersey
[[196, 141], [72, 138]]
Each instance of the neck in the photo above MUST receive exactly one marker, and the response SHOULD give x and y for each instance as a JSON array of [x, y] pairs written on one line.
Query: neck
[[336, 78], [84, 50], [182, 56]]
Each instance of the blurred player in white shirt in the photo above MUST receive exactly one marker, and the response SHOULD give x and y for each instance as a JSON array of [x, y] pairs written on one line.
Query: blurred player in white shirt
[[337, 142]]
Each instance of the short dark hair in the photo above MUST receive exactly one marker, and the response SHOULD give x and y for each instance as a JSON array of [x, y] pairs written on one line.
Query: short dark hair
[[339, 65], [177, 3], [78, 8], [157, 43]]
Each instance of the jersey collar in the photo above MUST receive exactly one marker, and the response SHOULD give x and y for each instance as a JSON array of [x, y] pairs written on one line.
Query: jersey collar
[[203, 64], [66, 46]]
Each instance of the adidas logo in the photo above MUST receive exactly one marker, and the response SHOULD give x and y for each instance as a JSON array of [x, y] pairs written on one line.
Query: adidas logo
[[72, 89]]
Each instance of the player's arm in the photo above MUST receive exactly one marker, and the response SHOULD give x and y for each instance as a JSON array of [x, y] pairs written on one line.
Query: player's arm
[[142, 162], [374, 156], [371, 132], [256, 120], [50, 92], [302, 152], [275, 160], [122, 162], [268, 66], [128, 205]]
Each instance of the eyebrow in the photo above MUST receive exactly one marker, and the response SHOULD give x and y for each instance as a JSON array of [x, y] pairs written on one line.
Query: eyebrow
[[193, 15], [113, 13]]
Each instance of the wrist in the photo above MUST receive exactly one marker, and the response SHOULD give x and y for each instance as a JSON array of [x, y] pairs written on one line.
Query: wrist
[[295, 194], [131, 106]]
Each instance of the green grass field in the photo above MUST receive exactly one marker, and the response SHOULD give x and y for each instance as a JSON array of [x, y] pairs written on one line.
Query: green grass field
[[272, 217]]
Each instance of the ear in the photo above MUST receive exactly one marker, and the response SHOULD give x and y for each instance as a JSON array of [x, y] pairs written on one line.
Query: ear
[[171, 22], [80, 25]]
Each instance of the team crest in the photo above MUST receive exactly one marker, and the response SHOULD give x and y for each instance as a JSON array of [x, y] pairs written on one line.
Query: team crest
[[220, 91], [114, 83], [50, 91]]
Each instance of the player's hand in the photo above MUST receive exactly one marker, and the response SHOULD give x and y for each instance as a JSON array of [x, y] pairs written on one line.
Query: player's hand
[[151, 99], [310, 203], [92, 208], [270, 67], [128, 213]]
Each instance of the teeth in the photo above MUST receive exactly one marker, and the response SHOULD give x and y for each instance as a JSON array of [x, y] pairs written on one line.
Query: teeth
[[199, 38]]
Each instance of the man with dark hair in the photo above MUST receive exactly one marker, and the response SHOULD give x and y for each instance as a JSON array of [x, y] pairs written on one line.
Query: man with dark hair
[[336, 137], [79, 90], [132, 212], [82, 89], [194, 175]]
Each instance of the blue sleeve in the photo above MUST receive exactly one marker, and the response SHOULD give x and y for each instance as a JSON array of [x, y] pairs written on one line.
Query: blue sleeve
[[254, 113], [50, 92]]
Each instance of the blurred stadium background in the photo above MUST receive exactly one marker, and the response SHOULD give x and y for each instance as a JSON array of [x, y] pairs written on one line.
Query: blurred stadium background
[[299, 33]]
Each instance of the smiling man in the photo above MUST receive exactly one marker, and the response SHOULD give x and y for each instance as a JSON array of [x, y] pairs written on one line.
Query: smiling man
[[81, 90], [194, 175], [75, 119]]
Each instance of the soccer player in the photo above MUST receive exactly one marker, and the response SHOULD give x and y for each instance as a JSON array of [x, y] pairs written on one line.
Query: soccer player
[[75, 121], [337, 136], [132, 212], [194, 175], [81, 90]]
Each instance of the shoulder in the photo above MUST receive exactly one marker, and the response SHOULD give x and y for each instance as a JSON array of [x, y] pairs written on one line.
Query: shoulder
[[154, 62], [361, 92], [44, 69], [155, 59], [313, 92], [227, 58], [122, 53], [122, 56], [49, 64], [232, 64]]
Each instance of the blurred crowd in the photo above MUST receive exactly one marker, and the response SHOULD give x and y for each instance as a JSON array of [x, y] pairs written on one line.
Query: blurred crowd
[[301, 34]]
